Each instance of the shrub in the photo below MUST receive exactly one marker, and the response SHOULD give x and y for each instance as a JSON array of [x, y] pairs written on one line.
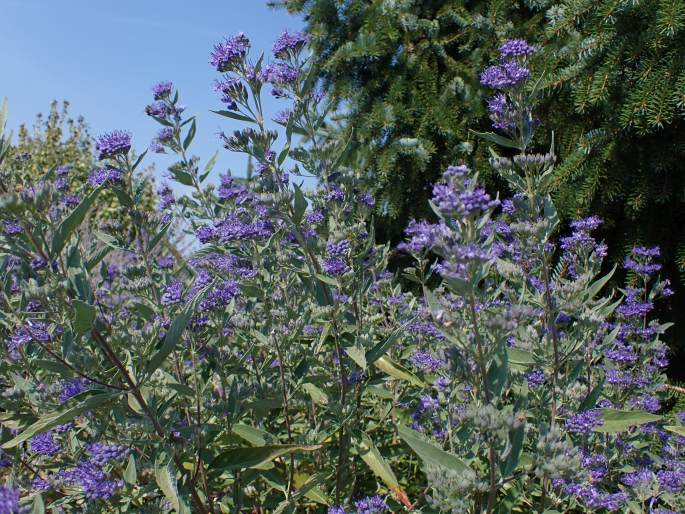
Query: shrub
[[280, 368]]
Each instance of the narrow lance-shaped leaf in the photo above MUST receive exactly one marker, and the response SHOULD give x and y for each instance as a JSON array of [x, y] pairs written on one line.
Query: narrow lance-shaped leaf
[[72, 222]]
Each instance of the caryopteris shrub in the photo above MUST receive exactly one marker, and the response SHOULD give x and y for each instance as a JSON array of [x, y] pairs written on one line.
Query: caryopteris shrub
[[281, 368]]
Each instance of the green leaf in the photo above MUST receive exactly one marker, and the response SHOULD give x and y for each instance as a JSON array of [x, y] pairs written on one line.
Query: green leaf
[[396, 371], [254, 436], [370, 454], [616, 421], [59, 418], [326, 279], [166, 480], [109, 240], [72, 222], [38, 506], [242, 458], [123, 197], [139, 160], [300, 204], [158, 237], [209, 166], [130, 473], [497, 139], [181, 176], [316, 394], [597, 286], [234, 116], [498, 373], [518, 356], [85, 316], [379, 350], [591, 399], [173, 335], [356, 353], [190, 136], [429, 453], [676, 429]]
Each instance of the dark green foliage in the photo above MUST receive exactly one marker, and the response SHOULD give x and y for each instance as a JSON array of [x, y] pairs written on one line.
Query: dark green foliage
[[407, 73]]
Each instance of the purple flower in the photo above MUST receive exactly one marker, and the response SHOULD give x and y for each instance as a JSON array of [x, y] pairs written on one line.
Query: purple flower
[[366, 199], [426, 361], [71, 200], [228, 53], [371, 505], [339, 249], [638, 478], [535, 378], [641, 260], [157, 109], [283, 117], [162, 90], [71, 388], [421, 235], [515, 48], [336, 510], [105, 176], [279, 73], [290, 42], [101, 454], [9, 500], [584, 422], [166, 262], [165, 134], [220, 296], [504, 76], [38, 263], [172, 294], [44, 444], [113, 143], [334, 267], [64, 170], [231, 90], [12, 227], [672, 480], [228, 191]]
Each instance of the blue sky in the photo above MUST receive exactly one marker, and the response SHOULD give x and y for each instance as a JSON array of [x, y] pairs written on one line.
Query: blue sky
[[105, 55]]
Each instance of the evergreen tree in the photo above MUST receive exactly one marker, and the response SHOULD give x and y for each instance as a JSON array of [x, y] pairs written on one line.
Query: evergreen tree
[[406, 73]]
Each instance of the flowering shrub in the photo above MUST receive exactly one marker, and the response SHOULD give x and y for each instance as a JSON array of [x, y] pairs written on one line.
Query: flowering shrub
[[280, 367]]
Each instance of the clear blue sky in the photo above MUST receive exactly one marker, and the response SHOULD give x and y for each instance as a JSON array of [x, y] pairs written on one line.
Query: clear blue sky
[[105, 55]]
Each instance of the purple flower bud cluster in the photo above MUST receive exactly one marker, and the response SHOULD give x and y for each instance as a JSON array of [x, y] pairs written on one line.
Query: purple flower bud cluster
[[44, 444], [111, 144], [455, 198], [229, 191], [71, 388], [290, 43], [162, 90], [505, 75], [101, 454], [641, 261], [371, 505], [233, 228], [105, 176], [173, 294], [515, 48], [536, 378], [584, 422], [12, 228], [9, 500], [229, 53], [426, 361], [166, 197]]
